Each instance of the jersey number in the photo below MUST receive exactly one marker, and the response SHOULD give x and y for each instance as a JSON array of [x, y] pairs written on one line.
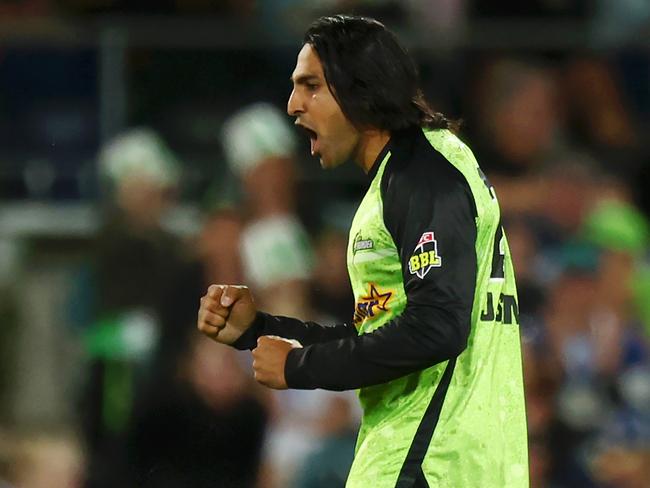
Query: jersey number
[[498, 255]]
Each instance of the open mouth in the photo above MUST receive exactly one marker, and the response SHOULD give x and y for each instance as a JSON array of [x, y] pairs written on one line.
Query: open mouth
[[313, 138]]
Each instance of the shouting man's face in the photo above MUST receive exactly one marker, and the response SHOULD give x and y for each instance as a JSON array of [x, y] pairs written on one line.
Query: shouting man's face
[[333, 137]]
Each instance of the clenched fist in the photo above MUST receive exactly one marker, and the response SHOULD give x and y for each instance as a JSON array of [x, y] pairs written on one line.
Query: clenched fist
[[269, 358], [226, 312]]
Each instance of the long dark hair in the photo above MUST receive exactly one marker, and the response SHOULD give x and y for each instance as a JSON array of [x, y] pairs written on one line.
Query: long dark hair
[[372, 77]]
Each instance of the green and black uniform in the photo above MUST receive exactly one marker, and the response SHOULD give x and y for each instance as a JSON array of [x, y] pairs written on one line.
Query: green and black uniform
[[434, 346]]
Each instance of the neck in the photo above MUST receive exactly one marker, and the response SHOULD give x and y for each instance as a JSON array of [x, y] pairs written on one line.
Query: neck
[[371, 144]]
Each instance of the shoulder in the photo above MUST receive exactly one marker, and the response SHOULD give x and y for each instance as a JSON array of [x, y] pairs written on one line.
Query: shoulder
[[417, 169]]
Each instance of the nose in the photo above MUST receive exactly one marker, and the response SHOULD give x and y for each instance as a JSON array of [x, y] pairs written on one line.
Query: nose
[[294, 104]]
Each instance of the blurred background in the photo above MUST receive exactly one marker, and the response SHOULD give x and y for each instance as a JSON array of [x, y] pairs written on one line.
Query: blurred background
[[145, 153]]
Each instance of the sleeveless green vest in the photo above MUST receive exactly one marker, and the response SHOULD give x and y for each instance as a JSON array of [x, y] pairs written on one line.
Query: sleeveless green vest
[[479, 438]]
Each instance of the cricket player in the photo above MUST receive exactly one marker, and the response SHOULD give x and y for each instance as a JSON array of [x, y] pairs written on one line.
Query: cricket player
[[434, 345]]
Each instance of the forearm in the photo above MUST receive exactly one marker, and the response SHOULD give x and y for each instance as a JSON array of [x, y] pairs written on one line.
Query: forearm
[[306, 333], [412, 342]]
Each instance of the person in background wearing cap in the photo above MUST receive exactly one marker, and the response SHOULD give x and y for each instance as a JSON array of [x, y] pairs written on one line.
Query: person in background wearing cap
[[134, 250], [276, 252], [134, 258], [434, 346]]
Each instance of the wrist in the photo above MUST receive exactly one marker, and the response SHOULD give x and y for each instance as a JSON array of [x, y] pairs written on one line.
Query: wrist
[[294, 373], [248, 340]]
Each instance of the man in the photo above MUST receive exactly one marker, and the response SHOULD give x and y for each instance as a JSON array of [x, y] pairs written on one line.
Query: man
[[434, 348]]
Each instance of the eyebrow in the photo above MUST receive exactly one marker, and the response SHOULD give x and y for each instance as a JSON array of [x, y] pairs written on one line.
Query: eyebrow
[[303, 79]]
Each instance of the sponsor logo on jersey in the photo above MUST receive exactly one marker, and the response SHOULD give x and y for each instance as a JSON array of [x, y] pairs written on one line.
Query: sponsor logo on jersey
[[425, 256], [361, 244], [371, 305]]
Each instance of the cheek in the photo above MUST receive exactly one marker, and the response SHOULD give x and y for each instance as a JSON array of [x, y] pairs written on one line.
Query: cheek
[[337, 134], [328, 110], [337, 125], [345, 135]]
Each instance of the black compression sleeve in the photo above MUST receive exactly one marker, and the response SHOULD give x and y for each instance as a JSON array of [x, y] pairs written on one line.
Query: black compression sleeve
[[305, 332]]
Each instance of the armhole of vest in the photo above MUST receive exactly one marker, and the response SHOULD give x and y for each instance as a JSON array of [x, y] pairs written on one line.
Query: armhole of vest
[[383, 189]]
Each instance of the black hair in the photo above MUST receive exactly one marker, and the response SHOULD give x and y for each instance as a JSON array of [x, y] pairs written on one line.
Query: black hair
[[372, 77]]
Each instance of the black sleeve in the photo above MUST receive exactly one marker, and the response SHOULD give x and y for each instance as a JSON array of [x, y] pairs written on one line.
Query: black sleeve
[[427, 207], [305, 332]]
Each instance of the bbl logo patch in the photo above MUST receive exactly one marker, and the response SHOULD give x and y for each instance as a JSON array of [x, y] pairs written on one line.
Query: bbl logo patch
[[425, 256], [371, 304]]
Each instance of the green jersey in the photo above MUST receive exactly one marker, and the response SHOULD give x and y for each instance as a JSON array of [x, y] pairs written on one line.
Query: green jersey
[[434, 345], [460, 422]]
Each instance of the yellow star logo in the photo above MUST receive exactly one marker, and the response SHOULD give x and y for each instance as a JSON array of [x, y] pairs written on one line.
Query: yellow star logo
[[378, 299], [369, 304]]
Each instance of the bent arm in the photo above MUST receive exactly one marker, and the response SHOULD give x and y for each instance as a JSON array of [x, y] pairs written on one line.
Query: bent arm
[[306, 333]]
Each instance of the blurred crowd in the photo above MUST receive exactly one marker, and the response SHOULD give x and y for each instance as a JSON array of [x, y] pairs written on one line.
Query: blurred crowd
[[148, 401], [563, 148]]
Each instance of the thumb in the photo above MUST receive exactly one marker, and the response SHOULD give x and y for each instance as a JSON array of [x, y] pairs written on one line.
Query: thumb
[[231, 294], [215, 291]]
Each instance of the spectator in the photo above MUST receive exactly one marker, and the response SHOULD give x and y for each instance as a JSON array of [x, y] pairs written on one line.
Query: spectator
[[602, 353], [200, 427], [276, 250], [181, 417], [134, 257], [521, 127]]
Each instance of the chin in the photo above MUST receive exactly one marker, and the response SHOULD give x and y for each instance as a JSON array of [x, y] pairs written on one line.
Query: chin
[[328, 163], [324, 163]]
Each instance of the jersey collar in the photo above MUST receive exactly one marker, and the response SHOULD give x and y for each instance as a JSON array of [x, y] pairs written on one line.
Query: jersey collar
[[400, 141], [380, 157]]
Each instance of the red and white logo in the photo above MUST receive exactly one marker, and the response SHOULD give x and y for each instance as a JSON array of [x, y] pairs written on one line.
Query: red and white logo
[[425, 256]]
